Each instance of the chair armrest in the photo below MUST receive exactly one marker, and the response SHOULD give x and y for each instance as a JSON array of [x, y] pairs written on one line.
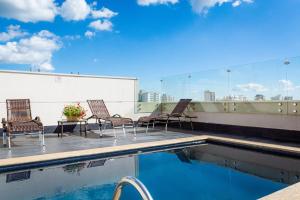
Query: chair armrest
[[37, 120], [164, 115], [176, 115], [128, 119], [116, 115], [91, 117], [4, 123]]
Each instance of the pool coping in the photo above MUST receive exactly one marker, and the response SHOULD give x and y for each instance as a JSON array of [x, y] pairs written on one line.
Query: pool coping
[[289, 193], [241, 143], [10, 164]]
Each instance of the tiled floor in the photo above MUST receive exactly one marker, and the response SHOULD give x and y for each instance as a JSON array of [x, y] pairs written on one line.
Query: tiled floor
[[29, 145]]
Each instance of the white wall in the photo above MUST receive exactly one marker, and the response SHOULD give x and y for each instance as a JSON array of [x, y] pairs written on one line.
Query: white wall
[[50, 92]]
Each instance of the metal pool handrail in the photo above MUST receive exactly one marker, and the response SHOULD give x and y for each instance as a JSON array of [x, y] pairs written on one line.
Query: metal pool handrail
[[137, 184]]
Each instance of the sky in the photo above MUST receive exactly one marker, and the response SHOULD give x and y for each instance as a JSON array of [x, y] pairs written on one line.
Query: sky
[[149, 39]]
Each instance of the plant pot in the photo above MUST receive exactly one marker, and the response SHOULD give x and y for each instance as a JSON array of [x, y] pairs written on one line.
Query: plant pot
[[73, 118]]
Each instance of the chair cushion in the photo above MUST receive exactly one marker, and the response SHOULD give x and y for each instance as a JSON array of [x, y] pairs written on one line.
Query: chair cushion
[[146, 119], [119, 121], [24, 126]]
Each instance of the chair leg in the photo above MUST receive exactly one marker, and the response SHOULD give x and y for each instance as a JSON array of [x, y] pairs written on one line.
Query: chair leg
[[100, 128], [191, 121], [115, 132], [166, 127], [134, 130], [4, 138], [104, 128], [9, 142], [179, 122], [43, 137], [124, 131], [147, 128]]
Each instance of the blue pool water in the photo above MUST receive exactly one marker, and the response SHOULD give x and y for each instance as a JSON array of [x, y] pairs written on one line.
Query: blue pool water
[[168, 177]]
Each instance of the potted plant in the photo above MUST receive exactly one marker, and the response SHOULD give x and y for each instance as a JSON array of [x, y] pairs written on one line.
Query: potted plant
[[74, 112]]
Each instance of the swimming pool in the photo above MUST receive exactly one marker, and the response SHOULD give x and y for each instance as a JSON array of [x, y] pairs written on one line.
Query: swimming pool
[[201, 172]]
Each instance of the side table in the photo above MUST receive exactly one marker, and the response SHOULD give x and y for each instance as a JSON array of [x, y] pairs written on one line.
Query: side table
[[81, 122]]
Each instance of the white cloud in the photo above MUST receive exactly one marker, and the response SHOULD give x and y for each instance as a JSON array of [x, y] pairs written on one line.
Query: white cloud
[[155, 2], [75, 10], [36, 50], [101, 25], [89, 34], [103, 13], [236, 3], [72, 37], [28, 10], [202, 6], [288, 85], [255, 87], [13, 31]]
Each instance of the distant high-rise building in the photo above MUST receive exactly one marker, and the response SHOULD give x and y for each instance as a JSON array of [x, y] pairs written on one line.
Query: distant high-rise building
[[259, 97], [140, 95], [234, 98], [209, 96], [241, 98], [149, 96], [167, 98], [276, 98], [288, 98]]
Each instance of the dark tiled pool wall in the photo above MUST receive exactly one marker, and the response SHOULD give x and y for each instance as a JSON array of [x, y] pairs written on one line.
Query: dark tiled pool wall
[[266, 133], [271, 166]]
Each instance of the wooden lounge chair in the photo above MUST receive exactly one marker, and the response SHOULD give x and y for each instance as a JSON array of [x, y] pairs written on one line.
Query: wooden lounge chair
[[19, 120], [176, 114], [102, 116]]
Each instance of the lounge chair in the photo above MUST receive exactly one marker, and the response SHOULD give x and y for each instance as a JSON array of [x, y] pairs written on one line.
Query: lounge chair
[[102, 116], [19, 120], [176, 114], [150, 119]]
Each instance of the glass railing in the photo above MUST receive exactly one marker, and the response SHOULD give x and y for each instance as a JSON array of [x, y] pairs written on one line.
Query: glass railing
[[269, 87]]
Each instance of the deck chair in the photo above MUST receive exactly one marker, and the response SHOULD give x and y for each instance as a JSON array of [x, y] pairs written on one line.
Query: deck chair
[[19, 120], [176, 114], [103, 117], [150, 119]]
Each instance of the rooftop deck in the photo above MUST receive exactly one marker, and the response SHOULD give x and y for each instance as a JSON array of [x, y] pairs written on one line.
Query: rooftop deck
[[29, 145], [74, 145]]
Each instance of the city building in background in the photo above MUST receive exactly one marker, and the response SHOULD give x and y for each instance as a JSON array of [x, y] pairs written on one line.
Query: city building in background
[[276, 98], [234, 98], [209, 96], [259, 97], [167, 98], [288, 98], [145, 96]]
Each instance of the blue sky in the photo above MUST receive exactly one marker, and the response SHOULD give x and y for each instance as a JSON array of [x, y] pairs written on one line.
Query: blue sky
[[148, 39]]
